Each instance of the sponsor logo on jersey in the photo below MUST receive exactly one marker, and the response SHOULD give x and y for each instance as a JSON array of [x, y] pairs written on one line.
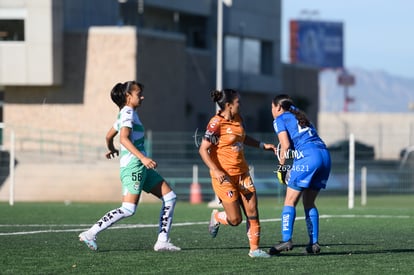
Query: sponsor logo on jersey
[[213, 123]]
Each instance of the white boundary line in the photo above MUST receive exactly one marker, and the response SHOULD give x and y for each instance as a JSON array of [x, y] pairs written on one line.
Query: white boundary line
[[129, 226]]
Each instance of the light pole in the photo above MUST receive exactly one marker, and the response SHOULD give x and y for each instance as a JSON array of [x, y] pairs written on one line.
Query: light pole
[[346, 79], [219, 65], [219, 62]]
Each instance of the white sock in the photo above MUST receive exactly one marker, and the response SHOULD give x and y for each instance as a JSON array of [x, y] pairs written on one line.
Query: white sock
[[126, 210], [166, 216]]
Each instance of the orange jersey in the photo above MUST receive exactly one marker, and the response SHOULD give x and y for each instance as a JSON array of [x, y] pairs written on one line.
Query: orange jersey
[[227, 138]]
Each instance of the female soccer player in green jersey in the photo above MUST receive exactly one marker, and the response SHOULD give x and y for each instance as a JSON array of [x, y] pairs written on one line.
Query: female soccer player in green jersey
[[136, 169]]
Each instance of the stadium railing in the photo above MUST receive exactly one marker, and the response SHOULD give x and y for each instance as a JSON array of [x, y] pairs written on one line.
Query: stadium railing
[[177, 152]]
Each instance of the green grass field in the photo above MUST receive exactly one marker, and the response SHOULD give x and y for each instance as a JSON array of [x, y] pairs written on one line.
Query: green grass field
[[41, 238]]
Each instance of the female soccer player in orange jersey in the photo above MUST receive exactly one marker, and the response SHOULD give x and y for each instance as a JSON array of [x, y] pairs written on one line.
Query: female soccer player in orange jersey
[[222, 150]]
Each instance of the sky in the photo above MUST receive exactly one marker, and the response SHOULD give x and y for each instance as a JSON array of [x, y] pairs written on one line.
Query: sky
[[378, 34]]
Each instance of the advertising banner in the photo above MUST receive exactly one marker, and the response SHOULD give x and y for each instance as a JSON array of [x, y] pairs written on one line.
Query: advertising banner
[[316, 43]]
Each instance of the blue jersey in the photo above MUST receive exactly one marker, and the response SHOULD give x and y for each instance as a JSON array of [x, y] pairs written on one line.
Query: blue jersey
[[312, 163], [299, 137]]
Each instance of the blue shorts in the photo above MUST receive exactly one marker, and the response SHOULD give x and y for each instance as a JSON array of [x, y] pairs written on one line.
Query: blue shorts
[[311, 170]]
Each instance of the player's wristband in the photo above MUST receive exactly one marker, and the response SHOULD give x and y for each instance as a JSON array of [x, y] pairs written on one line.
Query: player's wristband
[[261, 145]]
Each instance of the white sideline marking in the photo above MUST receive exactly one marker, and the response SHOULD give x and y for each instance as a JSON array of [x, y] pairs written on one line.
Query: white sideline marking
[[128, 226]]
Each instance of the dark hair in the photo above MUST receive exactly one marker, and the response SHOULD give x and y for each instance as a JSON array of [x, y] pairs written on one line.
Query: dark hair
[[119, 91], [224, 96], [287, 104]]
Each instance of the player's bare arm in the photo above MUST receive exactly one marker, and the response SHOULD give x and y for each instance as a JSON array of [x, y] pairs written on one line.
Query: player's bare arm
[[255, 143], [205, 156], [113, 152], [126, 142]]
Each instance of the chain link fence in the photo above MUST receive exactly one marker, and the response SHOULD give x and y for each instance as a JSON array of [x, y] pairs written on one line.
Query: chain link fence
[[177, 153]]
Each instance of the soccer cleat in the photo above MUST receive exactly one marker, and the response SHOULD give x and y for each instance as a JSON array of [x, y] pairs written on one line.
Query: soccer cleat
[[313, 248], [165, 246], [214, 225], [282, 246], [90, 242], [258, 253]]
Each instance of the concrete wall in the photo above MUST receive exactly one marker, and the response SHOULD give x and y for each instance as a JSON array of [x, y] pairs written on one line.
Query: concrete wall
[[50, 178], [387, 132], [94, 63], [38, 59]]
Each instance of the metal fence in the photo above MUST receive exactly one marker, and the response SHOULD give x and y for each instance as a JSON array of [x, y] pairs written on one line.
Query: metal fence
[[177, 153]]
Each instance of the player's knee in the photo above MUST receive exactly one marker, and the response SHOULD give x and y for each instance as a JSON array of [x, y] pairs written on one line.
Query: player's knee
[[127, 209], [234, 221]]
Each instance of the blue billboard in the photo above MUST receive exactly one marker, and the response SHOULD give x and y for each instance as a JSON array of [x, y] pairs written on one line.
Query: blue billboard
[[316, 43]]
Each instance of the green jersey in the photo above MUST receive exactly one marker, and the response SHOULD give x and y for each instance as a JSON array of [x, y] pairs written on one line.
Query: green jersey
[[127, 117]]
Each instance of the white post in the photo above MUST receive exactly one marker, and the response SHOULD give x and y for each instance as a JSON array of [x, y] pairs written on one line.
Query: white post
[[364, 186], [219, 56], [11, 166], [351, 172], [195, 173], [251, 170]]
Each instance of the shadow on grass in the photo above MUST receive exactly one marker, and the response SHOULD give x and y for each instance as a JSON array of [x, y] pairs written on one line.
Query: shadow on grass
[[324, 252], [298, 250]]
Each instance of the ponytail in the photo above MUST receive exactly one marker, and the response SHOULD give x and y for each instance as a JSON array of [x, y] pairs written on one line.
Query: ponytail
[[287, 104], [222, 97]]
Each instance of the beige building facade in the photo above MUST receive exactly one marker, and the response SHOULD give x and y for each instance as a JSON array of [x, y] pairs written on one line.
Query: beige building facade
[[388, 133]]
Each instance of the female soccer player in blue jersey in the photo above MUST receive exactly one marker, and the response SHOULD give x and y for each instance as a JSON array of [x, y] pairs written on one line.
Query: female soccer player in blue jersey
[[307, 174], [136, 169]]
